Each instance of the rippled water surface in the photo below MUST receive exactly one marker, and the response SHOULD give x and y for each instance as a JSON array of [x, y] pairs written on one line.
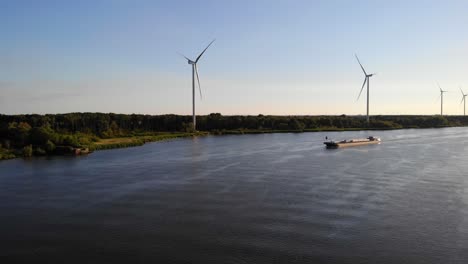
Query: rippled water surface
[[274, 198]]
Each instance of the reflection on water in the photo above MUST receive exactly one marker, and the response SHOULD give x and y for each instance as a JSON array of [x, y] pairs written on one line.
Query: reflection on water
[[274, 198]]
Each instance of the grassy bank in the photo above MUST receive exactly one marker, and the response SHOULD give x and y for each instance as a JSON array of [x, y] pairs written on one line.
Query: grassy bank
[[102, 143], [77, 133], [138, 140]]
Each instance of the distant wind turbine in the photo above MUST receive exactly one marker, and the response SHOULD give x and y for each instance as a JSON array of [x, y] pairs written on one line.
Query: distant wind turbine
[[463, 100], [195, 73], [366, 80], [441, 99]]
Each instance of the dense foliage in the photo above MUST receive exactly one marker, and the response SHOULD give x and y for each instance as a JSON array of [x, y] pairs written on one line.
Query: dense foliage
[[45, 134]]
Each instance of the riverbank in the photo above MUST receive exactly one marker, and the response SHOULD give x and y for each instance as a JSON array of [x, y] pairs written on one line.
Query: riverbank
[[134, 141], [96, 144], [139, 140], [82, 133]]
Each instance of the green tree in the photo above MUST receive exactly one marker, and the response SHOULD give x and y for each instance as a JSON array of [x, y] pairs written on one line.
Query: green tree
[[19, 132], [27, 151], [49, 146], [297, 125], [40, 135]]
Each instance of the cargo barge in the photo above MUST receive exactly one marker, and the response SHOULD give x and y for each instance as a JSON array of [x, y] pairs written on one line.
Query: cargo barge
[[352, 142]]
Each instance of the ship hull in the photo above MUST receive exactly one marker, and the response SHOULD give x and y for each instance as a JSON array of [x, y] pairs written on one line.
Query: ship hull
[[345, 144]]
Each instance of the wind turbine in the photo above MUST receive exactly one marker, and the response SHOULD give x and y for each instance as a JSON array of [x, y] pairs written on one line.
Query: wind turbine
[[366, 80], [195, 73], [441, 99], [463, 100]]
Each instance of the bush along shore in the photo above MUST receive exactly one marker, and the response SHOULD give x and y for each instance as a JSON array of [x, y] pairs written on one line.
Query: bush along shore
[[82, 133], [82, 144]]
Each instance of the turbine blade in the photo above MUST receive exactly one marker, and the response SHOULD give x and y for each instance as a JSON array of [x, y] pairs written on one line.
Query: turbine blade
[[365, 80], [199, 56], [462, 91], [439, 87], [360, 65], [184, 56], [463, 99], [198, 79]]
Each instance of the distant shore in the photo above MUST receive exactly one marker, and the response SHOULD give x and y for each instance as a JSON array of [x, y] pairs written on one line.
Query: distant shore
[[101, 144], [135, 141], [83, 133]]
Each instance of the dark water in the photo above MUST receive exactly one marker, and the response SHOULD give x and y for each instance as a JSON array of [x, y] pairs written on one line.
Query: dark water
[[277, 198]]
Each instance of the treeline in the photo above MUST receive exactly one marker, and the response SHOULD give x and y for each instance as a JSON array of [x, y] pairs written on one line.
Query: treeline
[[108, 125], [46, 134], [22, 139]]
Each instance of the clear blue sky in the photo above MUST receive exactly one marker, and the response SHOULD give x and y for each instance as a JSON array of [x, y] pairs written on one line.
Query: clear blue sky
[[270, 57]]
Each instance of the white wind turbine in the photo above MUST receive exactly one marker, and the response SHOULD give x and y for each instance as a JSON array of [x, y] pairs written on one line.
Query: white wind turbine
[[366, 80], [463, 100], [441, 99], [195, 72]]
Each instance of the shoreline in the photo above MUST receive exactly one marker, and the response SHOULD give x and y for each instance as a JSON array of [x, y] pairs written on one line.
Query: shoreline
[[140, 140], [81, 133]]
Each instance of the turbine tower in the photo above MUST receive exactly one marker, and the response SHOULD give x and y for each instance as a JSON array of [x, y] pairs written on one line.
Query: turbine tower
[[195, 73], [441, 99], [463, 100], [366, 80]]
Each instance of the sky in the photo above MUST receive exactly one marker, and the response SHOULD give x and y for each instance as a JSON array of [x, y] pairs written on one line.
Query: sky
[[279, 57]]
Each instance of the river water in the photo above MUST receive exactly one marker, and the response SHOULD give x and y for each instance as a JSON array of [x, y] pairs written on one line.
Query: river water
[[272, 198]]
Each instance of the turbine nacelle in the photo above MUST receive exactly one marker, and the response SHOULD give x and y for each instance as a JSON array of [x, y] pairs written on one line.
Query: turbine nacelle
[[366, 78], [463, 96], [440, 88], [441, 99], [195, 76]]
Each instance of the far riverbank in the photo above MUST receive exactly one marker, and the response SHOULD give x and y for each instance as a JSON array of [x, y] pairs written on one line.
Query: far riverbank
[[82, 133]]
